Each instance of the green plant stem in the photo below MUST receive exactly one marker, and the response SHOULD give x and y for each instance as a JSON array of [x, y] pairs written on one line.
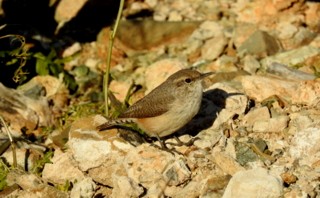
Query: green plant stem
[[13, 147], [107, 73]]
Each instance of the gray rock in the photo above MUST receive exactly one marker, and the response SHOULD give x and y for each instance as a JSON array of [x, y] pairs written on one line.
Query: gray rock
[[260, 43]]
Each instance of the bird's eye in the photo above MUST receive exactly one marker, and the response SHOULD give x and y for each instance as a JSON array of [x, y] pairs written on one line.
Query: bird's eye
[[187, 80]]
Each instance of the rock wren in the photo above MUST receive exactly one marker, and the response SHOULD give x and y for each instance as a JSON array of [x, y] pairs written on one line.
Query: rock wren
[[168, 107]]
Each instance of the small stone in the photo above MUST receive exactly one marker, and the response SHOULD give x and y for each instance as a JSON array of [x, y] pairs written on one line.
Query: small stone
[[67, 9], [226, 163], [174, 16], [159, 71], [261, 44], [119, 89], [273, 125], [125, 187], [242, 32], [254, 115], [213, 47], [208, 29], [253, 183], [74, 48], [288, 178], [251, 64], [83, 188]]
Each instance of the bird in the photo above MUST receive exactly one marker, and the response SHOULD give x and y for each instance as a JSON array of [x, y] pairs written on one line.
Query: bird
[[168, 107]]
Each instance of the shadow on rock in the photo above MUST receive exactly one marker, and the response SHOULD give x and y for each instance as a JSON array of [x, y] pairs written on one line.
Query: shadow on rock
[[212, 103]]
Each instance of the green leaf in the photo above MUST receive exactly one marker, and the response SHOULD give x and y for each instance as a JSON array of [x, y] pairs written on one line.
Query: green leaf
[[42, 67]]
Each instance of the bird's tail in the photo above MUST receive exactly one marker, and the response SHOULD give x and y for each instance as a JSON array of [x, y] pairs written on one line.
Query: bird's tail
[[113, 123]]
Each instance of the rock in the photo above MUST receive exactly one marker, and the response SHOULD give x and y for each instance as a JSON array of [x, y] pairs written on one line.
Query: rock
[[264, 12], [226, 64], [154, 33], [233, 103], [62, 161], [74, 48], [125, 187], [83, 188], [288, 72], [302, 120], [254, 183], [119, 89], [226, 163], [104, 174], [23, 111], [103, 191], [254, 115], [213, 47], [251, 64], [67, 9], [293, 37], [296, 92], [261, 44], [147, 165], [272, 125], [89, 147], [26, 157], [24, 180], [312, 14], [32, 186], [159, 71], [242, 32], [46, 191], [288, 178], [305, 147], [52, 89], [207, 30], [214, 186], [292, 57]]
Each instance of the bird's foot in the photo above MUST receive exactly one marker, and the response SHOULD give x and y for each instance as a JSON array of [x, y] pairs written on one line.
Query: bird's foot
[[180, 143]]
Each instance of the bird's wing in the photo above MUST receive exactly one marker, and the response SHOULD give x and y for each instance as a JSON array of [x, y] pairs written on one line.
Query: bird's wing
[[153, 104]]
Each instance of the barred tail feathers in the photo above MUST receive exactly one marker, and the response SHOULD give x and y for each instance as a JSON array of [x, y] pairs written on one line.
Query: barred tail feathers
[[112, 123]]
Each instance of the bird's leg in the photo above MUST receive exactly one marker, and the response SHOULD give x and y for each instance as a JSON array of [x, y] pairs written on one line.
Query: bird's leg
[[162, 143], [164, 146], [180, 143]]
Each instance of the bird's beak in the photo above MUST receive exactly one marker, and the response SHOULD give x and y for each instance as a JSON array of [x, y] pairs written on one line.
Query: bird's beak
[[202, 76]]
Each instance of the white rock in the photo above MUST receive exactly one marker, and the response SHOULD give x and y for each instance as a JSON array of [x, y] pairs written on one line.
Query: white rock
[[62, 161], [89, 153], [305, 146], [253, 183]]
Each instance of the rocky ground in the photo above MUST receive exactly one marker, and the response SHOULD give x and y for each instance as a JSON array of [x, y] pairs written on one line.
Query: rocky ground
[[257, 132]]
